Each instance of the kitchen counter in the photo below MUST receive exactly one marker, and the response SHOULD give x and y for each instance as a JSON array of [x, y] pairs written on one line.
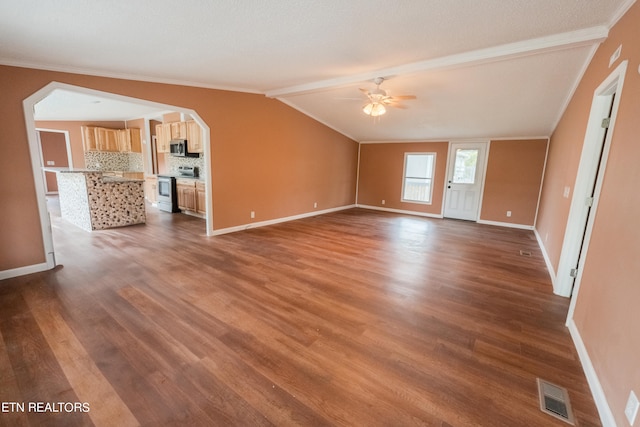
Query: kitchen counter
[[92, 201]]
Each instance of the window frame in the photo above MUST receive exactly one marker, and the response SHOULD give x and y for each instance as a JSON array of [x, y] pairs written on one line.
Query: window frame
[[431, 178]]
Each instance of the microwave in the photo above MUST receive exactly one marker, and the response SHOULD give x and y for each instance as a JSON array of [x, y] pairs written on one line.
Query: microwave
[[180, 148]]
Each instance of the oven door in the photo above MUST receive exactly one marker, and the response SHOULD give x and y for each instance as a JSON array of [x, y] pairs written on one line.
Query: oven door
[[164, 187]]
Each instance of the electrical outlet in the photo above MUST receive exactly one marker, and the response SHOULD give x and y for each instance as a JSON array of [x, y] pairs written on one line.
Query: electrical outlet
[[253, 214], [508, 214], [383, 202], [566, 192], [315, 204], [631, 410], [50, 163]]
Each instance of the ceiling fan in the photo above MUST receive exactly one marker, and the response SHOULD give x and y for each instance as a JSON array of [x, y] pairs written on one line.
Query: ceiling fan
[[379, 100]]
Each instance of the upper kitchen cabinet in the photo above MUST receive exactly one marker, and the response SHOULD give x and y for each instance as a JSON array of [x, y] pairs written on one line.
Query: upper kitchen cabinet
[[163, 136], [129, 140], [194, 137], [178, 130], [111, 140]]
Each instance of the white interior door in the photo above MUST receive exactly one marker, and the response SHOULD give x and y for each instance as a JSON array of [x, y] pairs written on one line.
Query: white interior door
[[464, 183]]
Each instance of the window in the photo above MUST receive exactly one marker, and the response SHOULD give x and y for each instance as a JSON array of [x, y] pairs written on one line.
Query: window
[[418, 177], [465, 166]]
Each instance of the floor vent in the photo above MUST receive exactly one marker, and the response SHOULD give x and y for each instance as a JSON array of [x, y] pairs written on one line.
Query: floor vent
[[525, 253], [554, 400]]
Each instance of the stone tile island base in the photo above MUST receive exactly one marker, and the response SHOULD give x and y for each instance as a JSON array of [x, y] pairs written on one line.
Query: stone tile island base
[[95, 202]]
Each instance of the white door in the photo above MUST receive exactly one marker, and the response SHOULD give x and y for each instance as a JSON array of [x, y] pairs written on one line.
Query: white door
[[464, 183]]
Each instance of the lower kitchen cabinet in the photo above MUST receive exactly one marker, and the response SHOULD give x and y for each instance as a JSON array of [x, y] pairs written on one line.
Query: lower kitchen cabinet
[[191, 196]]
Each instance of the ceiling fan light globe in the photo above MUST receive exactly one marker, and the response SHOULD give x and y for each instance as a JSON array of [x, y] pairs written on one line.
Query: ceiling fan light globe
[[374, 109]]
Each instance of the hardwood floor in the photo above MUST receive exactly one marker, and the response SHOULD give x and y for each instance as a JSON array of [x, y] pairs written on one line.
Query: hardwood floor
[[356, 318]]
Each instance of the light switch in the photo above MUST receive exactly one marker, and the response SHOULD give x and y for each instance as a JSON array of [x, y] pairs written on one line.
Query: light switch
[[567, 190], [50, 163], [631, 410]]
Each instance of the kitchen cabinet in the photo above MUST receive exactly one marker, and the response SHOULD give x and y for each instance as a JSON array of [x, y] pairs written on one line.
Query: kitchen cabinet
[[194, 137], [107, 139], [178, 130], [111, 140], [89, 138], [163, 136], [186, 189], [129, 140], [201, 198], [191, 195], [151, 189]]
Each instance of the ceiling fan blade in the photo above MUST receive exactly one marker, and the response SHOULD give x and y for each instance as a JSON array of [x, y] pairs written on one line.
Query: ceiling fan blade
[[403, 97]]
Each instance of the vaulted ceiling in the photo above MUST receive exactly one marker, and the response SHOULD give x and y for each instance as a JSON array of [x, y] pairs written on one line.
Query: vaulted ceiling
[[478, 68]]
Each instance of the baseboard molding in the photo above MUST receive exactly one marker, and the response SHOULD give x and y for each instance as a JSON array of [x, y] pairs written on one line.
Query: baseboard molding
[[606, 416], [547, 260], [506, 224], [21, 271], [399, 211], [278, 220]]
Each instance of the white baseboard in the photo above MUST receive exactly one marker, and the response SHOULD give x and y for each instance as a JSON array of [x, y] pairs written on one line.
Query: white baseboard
[[606, 416], [277, 220], [506, 224], [547, 260], [21, 271], [399, 211]]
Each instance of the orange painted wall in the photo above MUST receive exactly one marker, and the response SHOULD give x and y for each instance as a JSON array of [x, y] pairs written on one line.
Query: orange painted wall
[[54, 149], [512, 183], [381, 174], [607, 311], [266, 156], [75, 134]]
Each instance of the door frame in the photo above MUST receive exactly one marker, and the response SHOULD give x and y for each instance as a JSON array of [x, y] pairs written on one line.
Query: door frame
[[36, 160], [68, 148], [595, 153], [450, 153]]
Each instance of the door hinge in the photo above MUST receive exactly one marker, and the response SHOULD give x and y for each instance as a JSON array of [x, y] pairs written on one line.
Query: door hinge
[[573, 273], [605, 122], [589, 201]]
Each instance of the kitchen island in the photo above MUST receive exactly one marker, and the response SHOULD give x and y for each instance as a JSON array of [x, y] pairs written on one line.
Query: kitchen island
[[93, 201]]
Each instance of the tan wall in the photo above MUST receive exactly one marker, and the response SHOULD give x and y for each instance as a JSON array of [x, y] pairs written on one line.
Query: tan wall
[[75, 134], [607, 312], [381, 174], [512, 183], [266, 157], [54, 149]]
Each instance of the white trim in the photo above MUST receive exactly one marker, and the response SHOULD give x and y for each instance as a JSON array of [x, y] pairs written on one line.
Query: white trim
[[358, 174], [580, 216], [574, 87], [519, 49], [604, 410], [547, 260], [399, 211], [278, 220], [620, 12], [544, 170], [419, 141], [432, 177], [505, 224], [124, 76], [22, 271], [317, 119]]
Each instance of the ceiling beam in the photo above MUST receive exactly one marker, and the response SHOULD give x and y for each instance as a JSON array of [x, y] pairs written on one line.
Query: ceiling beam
[[536, 46]]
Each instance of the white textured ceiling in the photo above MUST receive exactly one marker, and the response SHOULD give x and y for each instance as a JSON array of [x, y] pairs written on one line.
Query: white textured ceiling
[[479, 68]]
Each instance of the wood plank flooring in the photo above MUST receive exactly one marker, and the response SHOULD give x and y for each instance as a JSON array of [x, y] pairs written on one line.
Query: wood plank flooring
[[356, 318]]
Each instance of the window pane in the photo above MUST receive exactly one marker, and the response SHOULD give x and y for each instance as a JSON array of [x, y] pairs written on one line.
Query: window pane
[[419, 165], [418, 177], [465, 166], [417, 189]]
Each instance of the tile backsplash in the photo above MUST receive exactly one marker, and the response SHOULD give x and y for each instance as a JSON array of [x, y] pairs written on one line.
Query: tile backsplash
[[173, 162], [103, 161]]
